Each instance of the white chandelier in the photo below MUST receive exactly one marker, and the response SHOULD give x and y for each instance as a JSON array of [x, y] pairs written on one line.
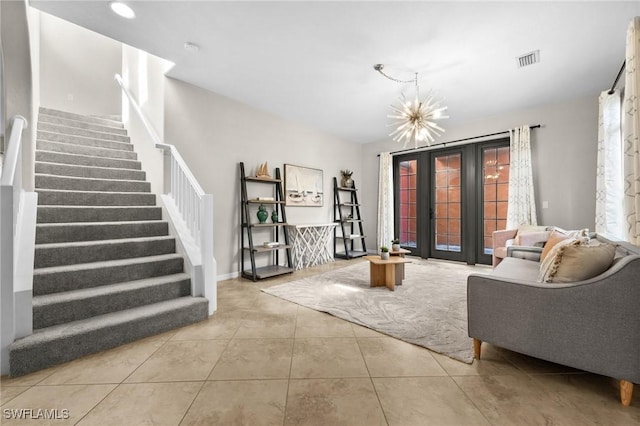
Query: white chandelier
[[414, 120]]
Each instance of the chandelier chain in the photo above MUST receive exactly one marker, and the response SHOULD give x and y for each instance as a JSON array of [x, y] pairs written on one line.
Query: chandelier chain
[[397, 80]]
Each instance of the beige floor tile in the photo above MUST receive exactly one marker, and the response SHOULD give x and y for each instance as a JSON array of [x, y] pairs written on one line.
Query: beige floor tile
[[254, 359], [234, 302], [597, 397], [272, 304], [426, 401], [518, 400], [70, 401], [333, 402], [7, 393], [491, 363], [111, 366], [28, 379], [312, 323], [389, 357], [247, 402], [144, 404], [258, 325], [531, 365], [218, 326], [179, 360], [361, 331], [327, 358]]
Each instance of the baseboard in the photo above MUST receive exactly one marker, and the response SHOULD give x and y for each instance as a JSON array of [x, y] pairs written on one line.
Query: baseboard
[[229, 276]]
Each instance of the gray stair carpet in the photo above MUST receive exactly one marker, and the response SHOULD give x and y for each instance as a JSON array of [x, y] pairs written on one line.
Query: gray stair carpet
[[106, 271]]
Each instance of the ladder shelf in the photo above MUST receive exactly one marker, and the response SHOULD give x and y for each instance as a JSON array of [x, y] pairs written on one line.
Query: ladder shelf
[[351, 240], [272, 230]]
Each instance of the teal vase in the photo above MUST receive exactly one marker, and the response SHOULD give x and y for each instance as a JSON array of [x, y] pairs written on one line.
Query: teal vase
[[263, 214], [274, 216]]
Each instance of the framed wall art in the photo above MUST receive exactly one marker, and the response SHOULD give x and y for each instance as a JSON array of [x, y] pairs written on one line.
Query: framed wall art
[[303, 186]]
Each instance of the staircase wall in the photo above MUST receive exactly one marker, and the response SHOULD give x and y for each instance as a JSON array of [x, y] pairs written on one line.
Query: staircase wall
[[77, 68], [144, 75]]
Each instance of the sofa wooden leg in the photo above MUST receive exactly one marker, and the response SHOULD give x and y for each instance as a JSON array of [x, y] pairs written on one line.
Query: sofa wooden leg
[[477, 344], [626, 392]]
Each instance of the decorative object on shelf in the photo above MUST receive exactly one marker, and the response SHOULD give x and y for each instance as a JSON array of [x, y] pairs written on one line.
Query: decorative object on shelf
[[384, 253], [395, 244], [415, 120], [270, 244], [262, 214], [263, 171], [264, 199], [346, 181], [303, 186], [274, 216]]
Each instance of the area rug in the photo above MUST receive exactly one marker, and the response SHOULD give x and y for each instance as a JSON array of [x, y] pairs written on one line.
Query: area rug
[[429, 309]]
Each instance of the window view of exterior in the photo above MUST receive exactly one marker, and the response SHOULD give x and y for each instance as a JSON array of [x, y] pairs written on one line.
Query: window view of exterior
[[408, 195], [448, 202], [495, 172]]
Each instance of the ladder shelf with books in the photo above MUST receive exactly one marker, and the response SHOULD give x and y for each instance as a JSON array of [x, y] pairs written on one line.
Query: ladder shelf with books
[[272, 232]]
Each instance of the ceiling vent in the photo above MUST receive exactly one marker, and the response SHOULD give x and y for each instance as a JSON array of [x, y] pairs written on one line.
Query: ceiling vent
[[529, 59]]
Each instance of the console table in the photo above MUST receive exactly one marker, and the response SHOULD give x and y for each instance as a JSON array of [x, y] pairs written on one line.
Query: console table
[[310, 244]]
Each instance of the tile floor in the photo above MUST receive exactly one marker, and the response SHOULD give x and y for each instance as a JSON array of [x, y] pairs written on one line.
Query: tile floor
[[264, 361]]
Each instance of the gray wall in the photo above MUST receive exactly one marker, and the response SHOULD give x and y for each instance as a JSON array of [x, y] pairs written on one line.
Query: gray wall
[[564, 160], [214, 134], [77, 68]]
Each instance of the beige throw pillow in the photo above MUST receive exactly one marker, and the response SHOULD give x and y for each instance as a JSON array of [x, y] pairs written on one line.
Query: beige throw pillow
[[579, 262], [551, 258], [560, 235]]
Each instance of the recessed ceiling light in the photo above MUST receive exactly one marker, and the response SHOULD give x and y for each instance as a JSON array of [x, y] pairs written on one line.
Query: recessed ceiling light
[[122, 9], [191, 47]]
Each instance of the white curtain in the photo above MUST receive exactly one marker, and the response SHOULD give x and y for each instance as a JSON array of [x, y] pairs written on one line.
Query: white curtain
[[631, 134], [609, 188], [521, 206], [385, 201]]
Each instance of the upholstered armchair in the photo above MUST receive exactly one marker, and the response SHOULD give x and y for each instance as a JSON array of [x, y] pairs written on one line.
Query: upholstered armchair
[[524, 243]]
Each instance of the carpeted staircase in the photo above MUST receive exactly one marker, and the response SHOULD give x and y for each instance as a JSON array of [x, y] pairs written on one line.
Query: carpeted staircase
[[106, 271]]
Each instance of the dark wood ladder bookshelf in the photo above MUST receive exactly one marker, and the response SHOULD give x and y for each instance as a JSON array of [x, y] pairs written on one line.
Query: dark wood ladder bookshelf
[[277, 229], [347, 214]]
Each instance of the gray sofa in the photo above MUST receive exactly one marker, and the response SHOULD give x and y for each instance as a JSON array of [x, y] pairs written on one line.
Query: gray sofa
[[592, 325]]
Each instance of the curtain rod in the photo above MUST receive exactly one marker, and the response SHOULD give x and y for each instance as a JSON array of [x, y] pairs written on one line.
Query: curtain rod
[[615, 83], [422, 148]]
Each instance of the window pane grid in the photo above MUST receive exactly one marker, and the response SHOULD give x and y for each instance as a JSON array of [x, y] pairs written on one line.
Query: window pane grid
[[448, 203], [495, 175], [408, 172]]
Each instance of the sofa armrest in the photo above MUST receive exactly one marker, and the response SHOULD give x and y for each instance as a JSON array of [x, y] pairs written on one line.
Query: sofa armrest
[[500, 237], [525, 252], [592, 325]]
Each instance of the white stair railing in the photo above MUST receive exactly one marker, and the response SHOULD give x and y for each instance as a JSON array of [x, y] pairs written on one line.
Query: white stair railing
[[190, 210], [17, 245]]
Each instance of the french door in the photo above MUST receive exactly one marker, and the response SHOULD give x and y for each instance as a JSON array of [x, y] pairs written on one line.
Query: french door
[[446, 205], [449, 201]]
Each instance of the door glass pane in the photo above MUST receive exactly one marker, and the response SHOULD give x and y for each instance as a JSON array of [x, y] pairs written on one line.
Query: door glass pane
[[495, 172], [448, 202], [408, 195]]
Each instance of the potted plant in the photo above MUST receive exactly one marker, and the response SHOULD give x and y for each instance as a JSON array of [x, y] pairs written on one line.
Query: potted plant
[[346, 181], [395, 244], [384, 253]]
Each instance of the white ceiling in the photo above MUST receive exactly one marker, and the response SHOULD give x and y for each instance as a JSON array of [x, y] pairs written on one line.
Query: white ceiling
[[313, 61]]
